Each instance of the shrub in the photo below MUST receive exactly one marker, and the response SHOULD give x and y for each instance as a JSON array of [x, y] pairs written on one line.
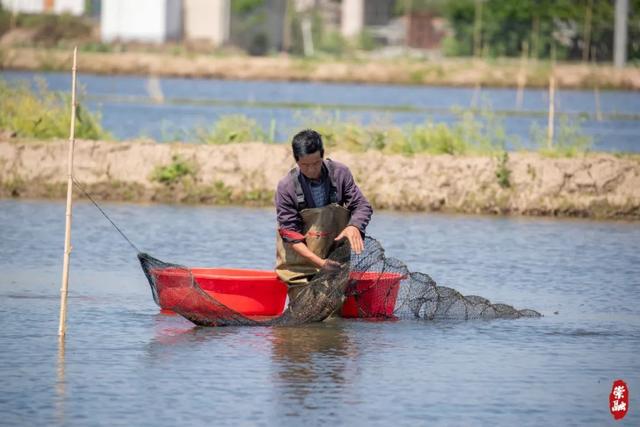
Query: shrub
[[503, 173], [174, 171], [44, 114]]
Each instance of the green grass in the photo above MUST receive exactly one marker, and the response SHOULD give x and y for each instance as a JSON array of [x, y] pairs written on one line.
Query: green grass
[[44, 114], [175, 171], [231, 129], [568, 141], [477, 132], [472, 134]]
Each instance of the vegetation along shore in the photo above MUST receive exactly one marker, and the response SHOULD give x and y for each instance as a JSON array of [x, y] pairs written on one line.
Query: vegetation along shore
[[502, 72]]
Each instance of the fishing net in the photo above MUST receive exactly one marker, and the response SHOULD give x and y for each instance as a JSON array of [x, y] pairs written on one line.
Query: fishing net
[[368, 285]]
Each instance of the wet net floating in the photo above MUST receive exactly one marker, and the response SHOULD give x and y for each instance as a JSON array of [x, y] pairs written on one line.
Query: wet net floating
[[368, 285]]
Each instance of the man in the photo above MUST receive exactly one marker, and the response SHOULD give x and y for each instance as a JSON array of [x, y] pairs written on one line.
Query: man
[[317, 203]]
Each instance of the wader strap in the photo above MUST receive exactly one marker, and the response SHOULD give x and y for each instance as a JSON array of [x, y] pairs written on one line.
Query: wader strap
[[300, 199], [333, 192]]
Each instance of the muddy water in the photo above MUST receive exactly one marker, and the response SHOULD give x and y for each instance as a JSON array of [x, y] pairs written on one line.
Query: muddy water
[[127, 364]]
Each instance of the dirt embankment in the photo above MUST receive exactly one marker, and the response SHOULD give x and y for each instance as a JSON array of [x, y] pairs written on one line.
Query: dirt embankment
[[597, 185], [446, 72]]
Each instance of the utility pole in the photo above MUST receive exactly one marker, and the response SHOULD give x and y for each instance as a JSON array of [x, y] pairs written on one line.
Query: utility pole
[[620, 39]]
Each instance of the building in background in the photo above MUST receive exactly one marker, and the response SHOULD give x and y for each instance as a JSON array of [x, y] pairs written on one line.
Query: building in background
[[207, 21], [73, 7], [154, 21], [424, 30], [360, 14]]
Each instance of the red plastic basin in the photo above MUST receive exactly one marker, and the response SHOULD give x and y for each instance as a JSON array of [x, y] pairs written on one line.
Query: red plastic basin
[[250, 292], [262, 293]]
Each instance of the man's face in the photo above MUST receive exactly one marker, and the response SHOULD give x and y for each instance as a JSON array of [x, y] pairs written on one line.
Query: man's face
[[311, 165]]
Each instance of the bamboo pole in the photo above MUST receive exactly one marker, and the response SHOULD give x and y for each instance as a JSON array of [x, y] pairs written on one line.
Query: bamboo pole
[[67, 235]]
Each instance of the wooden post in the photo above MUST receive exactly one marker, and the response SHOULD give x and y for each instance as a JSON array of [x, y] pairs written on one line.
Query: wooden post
[[475, 97], [552, 94], [67, 235], [307, 36], [522, 75], [596, 88]]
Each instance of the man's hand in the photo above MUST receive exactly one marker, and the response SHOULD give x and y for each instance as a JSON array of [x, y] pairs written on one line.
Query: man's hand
[[330, 265], [355, 238]]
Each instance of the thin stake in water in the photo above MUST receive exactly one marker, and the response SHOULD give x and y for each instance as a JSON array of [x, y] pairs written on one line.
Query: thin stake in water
[[67, 235]]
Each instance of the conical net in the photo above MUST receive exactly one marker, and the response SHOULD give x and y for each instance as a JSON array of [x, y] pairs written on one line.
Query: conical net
[[368, 285]]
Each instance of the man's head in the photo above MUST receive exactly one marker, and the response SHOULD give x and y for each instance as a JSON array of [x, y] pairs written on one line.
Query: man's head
[[308, 152]]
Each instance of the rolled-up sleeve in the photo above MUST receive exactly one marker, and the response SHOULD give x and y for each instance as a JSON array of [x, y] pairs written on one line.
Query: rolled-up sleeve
[[356, 203], [289, 219]]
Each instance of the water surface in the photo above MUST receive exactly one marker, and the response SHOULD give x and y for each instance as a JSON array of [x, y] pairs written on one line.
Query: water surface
[[127, 364]]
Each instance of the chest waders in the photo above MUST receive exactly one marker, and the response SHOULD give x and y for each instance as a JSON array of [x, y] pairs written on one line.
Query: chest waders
[[320, 226]]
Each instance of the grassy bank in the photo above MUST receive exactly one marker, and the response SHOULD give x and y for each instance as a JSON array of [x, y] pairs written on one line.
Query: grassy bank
[[591, 185]]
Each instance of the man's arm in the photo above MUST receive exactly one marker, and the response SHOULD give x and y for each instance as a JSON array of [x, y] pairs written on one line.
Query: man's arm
[[361, 212], [356, 203], [302, 249]]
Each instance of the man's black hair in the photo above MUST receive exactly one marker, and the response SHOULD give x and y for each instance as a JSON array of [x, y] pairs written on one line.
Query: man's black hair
[[306, 142]]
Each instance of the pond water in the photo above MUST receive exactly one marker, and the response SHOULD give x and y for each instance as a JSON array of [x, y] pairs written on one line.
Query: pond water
[[127, 364], [128, 109]]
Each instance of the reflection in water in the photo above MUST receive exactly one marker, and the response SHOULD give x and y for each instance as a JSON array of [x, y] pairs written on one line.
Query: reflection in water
[[180, 334], [60, 383], [312, 365]]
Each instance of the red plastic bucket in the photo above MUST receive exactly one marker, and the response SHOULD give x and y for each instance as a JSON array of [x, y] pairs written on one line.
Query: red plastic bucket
[[375, 295]]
